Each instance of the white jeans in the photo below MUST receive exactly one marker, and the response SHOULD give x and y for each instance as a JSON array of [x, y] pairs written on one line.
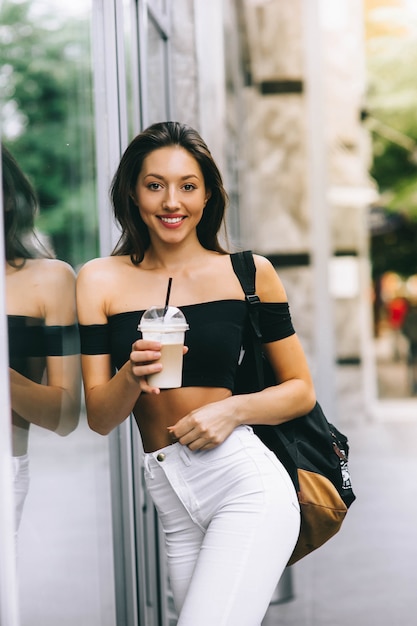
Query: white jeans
[[231, 520], [20, 485]]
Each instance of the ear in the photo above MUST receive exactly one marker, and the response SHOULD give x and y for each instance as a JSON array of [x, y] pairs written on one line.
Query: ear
[[207, 197]]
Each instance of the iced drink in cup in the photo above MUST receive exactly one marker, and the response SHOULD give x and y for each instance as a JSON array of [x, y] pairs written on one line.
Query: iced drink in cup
[[169, 330]]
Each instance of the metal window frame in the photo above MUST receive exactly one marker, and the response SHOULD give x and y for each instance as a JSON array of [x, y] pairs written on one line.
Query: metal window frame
[[110, 108], [161, 20], [9, 606], [139, 572]]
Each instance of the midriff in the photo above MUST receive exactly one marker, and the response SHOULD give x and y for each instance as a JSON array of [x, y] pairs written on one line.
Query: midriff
[[155, 413]]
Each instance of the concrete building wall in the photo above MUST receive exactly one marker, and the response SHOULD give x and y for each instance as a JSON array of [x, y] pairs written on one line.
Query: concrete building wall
[[276, 205], [275, 198]]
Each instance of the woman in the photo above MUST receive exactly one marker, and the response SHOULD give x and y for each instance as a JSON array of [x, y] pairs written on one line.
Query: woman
[[44, 363], [227, 507]]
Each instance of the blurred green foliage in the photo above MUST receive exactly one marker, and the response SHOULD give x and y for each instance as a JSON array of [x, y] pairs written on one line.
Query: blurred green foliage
[[48, 121], [392, 120]]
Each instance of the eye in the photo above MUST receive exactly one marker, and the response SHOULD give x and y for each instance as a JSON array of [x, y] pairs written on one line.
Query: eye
[[188, 187], [154, 186]]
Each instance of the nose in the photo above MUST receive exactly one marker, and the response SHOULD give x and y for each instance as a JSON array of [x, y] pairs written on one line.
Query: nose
[[171, 200]]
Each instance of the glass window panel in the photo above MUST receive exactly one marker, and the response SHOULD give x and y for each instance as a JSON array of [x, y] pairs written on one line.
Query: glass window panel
[[159, 5], [130, 42], [64, 542], [156, 67]]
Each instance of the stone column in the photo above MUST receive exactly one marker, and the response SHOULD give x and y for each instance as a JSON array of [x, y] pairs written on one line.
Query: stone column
[[276, 214]]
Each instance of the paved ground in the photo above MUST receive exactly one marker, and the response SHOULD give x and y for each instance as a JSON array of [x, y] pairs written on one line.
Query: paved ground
[[367, 574]]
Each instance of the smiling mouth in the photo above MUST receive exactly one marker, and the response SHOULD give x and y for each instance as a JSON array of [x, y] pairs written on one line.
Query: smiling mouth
[[171, 220]]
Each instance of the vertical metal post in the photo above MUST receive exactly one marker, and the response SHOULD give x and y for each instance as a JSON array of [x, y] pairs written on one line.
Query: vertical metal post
[[9, 614], [319, 210], [110, 136], [209, 35]]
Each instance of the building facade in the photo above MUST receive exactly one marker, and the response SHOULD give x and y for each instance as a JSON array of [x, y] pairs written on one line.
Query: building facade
[[276, 89]]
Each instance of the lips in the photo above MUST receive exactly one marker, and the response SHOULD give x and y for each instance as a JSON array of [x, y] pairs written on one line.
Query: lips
[[172, 221]]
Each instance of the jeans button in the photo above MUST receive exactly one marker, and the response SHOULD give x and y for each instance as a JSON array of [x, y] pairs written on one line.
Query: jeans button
[[160, 457]]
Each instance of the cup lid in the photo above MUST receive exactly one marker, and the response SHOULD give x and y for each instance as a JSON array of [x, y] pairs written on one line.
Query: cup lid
[[154, 317]]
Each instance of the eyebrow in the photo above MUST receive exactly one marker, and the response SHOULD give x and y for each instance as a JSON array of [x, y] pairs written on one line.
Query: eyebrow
[[160, 177]]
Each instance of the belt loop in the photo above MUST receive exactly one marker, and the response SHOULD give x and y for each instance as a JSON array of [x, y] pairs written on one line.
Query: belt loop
[[146, 464], [185, 454]]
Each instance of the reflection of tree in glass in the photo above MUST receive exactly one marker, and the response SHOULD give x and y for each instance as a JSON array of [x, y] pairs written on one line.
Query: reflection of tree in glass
[[45, 81], [43, 336]]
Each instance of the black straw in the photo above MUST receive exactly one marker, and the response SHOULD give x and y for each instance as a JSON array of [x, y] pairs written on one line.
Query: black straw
[[167, 296]]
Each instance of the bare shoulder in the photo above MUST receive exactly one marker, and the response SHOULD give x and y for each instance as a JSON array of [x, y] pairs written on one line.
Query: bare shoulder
[[101, 267], [101, 272], [269, 286], [53, 269], [52, 277], [97, 281], [55, 286]]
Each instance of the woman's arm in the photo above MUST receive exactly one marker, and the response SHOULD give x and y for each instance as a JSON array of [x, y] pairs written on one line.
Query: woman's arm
[[110, 398], [292, 397], [295, 394], [54, 405]]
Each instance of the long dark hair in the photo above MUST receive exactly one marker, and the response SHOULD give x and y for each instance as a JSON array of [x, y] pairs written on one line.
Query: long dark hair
[[20, 206], [134, 239]]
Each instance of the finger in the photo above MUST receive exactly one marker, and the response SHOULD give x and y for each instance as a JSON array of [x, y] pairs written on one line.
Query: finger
[[174, 439], [201, 444], [145, 369], [194, 439], [143, 344], [146, 388], [140, 357], [181, 428], [184, 438]]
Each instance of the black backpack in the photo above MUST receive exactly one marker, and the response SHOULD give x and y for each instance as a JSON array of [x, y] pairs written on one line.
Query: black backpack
[[313, 451]]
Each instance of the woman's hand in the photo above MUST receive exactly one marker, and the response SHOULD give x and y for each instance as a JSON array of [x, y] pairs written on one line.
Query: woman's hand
[[144, 360], [207, 427]]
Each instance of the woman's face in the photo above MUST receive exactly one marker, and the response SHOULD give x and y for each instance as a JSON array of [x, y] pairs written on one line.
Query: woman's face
[[171, 194]]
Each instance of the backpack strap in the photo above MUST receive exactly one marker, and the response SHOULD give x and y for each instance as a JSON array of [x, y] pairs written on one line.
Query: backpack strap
[[244, 268]]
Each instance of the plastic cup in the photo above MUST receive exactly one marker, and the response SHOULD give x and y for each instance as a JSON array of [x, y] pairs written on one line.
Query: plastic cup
[[169, 330]]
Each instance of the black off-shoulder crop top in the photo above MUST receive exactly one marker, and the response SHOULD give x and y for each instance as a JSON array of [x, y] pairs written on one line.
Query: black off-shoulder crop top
[[214, 338], [31, 341]]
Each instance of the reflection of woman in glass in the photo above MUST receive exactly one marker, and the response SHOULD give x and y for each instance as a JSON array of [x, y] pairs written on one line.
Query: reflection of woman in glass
[[43, 340]]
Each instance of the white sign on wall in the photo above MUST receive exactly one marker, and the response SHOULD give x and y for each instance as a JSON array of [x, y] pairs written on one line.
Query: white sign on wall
[[344, 277]]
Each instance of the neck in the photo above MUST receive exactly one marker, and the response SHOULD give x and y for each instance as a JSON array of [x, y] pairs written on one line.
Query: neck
[[173, 258]]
